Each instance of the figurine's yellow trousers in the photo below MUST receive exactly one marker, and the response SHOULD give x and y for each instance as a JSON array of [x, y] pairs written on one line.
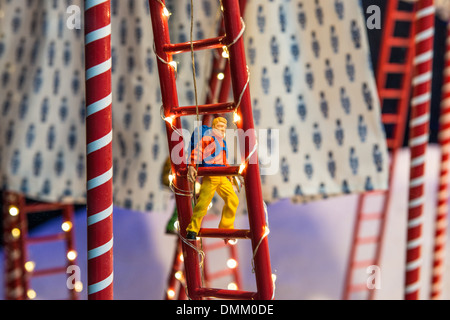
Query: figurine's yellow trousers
[[224, 189]]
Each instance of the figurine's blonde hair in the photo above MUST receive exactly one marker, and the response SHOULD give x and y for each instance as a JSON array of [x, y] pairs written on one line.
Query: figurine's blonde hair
[[219, 119]]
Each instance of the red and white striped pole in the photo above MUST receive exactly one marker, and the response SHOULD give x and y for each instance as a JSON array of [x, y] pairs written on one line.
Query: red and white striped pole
[[99, 148], [418, 141], [443, 194]]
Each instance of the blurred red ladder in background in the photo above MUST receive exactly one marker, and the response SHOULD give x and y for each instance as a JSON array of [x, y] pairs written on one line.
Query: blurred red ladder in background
[[232, 44], [394, 77], [18, 269]]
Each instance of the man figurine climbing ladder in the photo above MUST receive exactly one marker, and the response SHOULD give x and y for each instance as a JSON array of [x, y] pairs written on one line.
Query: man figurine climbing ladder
[[211, 151]]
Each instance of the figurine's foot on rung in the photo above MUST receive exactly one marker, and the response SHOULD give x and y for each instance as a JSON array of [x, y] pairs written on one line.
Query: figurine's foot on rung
[[191, 235]]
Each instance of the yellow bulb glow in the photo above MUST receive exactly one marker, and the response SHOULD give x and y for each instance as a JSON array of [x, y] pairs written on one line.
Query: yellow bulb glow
[[31, 294], [78, 286], [174, 65], [266, 231], [171, 178], [181, 257], [225, 53], [169, 120], [233, 242], [66, 226], [232, 286], [221, 76], [241, 168], [171, 293], [13, 211], [166, 12], [179, 275], [236, 117], [71, 255], [15, 233], [29, 266], [232, 263]]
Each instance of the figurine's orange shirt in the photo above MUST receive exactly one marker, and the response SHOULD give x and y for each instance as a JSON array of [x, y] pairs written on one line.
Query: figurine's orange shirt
[[212, 153]]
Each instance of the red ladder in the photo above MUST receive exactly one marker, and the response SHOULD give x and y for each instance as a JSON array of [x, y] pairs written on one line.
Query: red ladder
[[249, 169], [18, 270], [394, 89]]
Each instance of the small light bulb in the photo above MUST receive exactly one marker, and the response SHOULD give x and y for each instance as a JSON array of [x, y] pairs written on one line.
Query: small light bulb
[[221, 76], [15, 233], [225, 53], [179, 275], [233, 242], [232, 286], [171, 293], [169, 120], [174, 65], [181, 257], [266, 231], [29, 266], [236, 117], [31, 294], [171, 178], [66, 226], [166, 12], [71, 255], [78, 286], [13, 211], [232, 263]]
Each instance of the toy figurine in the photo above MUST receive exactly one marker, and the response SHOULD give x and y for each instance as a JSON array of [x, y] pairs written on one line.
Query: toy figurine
[[211, 151]]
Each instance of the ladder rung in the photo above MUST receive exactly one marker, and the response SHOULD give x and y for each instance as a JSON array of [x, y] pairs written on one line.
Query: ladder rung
[[226, 294], [404, 16], [49, 238], [367, 240], [390, 118], [371, 216], [362, 264], [358, 287], [376, 192], [215, 246], [213, 171], [220, 274], [391, 93], [399, 42], [224, 233], [48, 272], [42, 207], [205, 109], [395, 67], [212, 43]]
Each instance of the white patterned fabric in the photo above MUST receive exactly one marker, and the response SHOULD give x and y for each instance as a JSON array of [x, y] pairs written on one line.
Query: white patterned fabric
[[311, 80]]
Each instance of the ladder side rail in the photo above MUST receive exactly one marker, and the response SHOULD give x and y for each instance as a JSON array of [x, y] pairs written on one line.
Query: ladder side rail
[[238, 68], [170, 101]]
